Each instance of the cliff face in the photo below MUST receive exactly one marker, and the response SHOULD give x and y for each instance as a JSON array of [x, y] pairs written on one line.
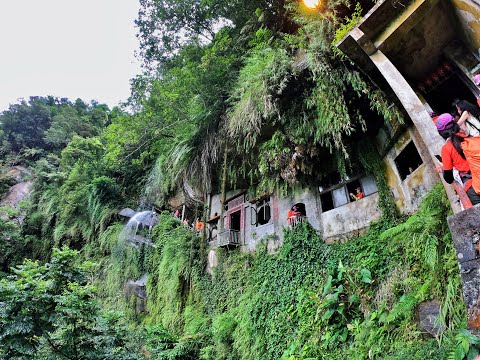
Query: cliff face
[[18, 184]]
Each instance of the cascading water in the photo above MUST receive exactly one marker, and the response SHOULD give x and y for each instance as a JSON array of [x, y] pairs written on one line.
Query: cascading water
[[136, 233], [138, 228]]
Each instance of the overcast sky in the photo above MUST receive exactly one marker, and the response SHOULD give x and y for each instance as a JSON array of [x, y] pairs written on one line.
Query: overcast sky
[[67, 48]]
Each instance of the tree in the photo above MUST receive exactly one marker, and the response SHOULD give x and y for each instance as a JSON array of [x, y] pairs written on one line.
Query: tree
[[24, 124], [49, 312], [67, 124], [165, 27]]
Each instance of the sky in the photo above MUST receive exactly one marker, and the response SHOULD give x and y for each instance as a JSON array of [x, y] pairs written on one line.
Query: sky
[[67, 48]]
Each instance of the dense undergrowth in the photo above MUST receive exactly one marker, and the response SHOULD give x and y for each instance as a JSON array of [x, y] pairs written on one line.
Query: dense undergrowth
[[309, 300], [265, 103]]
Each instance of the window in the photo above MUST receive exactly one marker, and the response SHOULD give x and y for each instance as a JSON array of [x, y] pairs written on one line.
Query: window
[[327, 201], [340, 194], [263, 212], [301, 208], [235, 220], [368, 185], [340, 197], [352, 188], [408, 160]]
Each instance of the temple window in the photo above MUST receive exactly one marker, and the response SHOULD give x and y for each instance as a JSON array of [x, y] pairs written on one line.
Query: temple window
[[408, 160], [263, 212], [345, 193], [235, 220]]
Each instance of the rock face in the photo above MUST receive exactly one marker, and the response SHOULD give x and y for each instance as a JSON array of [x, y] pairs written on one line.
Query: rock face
[[16, 194], [212, 261], [138, 289], [19, 178], [18, 173], [127, 212], [428, 313]]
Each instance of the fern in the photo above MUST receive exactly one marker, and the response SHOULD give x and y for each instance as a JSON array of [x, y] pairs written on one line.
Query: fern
[[430, 252]]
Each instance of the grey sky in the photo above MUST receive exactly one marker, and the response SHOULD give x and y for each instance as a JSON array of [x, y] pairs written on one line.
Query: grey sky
[[67, 48]]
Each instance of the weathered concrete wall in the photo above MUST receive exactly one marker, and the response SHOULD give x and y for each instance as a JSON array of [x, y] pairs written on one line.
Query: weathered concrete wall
[[350, 219], [215, 206], [409, 192], [468, 13], [415, 51], [254, 235], [306, 196]]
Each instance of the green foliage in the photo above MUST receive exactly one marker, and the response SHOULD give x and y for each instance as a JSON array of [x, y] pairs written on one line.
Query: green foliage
[[266, 102], [261, 81], [170, 266], [48, 312], [68, 123], [11, 244], [309, 300], [349, 24], [35, 127], [375, 166]]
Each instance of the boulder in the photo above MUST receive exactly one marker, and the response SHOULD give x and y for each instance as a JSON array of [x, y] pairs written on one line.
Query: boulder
[[212, 261], [427, 313], [138, 240], [18, 174]]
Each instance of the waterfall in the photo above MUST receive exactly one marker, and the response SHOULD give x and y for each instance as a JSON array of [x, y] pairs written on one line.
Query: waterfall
[[139, 228]]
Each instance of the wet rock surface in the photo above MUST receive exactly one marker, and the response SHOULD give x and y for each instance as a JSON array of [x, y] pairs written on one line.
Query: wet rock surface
[[18, 174], [465, 229], [137, 289], [428, 313]]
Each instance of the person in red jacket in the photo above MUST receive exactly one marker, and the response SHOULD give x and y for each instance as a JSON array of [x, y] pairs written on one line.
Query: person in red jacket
[[453, 157], [358, 195], [292, 215]]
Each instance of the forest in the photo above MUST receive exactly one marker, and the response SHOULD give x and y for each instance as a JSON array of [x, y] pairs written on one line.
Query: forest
[[234, 94]]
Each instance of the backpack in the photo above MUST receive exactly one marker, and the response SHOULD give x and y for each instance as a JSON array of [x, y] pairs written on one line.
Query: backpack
[[471, 149]]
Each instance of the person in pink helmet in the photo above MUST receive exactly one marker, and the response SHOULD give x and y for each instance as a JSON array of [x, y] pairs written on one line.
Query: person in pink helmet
[[476, 80]]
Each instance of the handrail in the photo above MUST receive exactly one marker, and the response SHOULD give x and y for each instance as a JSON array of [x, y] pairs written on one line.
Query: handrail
[[228, 237], [296, 219]]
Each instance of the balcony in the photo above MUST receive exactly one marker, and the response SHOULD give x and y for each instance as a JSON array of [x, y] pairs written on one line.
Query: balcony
[[228, 238]]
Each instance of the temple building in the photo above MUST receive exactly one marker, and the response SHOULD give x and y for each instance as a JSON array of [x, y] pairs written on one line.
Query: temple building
[[423, 55]]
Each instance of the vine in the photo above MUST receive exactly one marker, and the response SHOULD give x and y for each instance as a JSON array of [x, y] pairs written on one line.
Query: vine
[[373, 165]]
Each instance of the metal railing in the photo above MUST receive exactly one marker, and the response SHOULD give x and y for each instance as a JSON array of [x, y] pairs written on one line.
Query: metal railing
[[296, 219], [228, 238]]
